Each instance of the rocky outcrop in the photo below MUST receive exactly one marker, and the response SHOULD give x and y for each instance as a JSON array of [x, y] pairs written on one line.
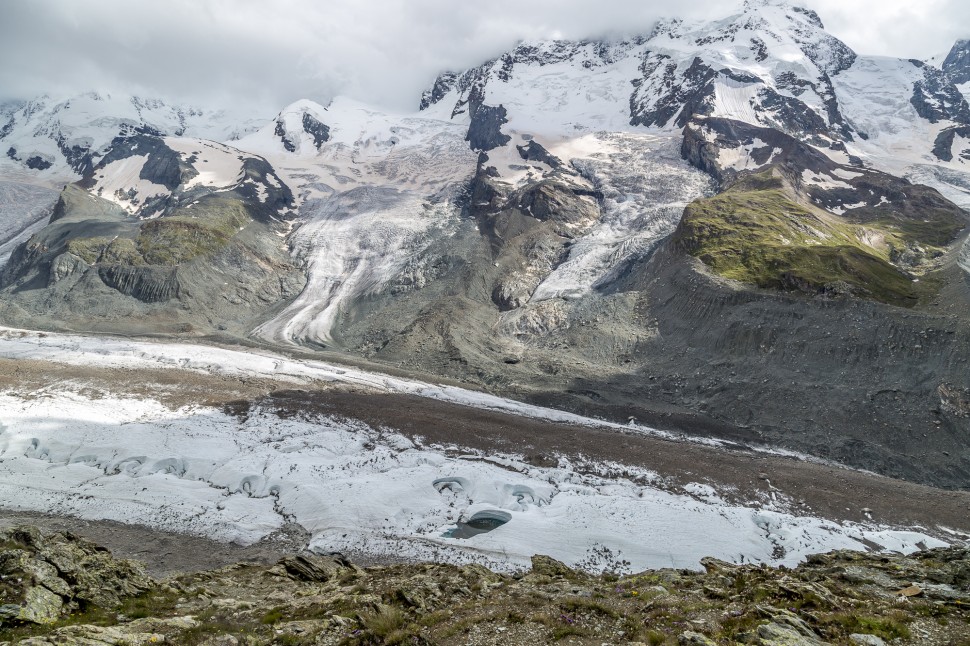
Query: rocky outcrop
[[442, 86], [943, 144], [319, 131], [33, 162], [690, 95], [936, 98], [534, 151], [280, 131], [163, 166], [529, 229], [485, 129], [957, 62], [843, 598], [45, 577]]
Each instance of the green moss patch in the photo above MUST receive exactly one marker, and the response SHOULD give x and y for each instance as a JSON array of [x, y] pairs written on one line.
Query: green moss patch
[[179, 238], [200, 230], [756, 233]]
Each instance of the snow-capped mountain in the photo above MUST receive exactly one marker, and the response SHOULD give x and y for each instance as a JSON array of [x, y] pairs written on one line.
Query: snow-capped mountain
[[525, 229], [772, 64], [62, 138]]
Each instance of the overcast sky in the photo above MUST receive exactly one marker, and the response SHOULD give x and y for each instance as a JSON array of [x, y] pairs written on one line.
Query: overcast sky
[[268, 53]]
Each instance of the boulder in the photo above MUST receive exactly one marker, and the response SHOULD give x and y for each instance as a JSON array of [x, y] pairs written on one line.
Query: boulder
[[311, 567], [786, 629], [690, 638], [548, 566], [866, 640], [47, 575]]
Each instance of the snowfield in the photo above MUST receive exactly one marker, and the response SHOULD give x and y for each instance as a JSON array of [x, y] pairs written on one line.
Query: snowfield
[[74, 451]]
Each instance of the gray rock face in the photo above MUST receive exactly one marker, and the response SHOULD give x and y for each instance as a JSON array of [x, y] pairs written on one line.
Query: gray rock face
[[316, 129], [957, 62], [533, 151], [163, 166], [792, 116], [280, 132], [33, 162], [936, 98], [485, 129], [46, 576], [442, 85], [943, 145], [529, 229], [692, 94]]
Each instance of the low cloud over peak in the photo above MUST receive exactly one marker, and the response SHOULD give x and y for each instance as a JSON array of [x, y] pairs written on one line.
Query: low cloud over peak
[[223, 52]]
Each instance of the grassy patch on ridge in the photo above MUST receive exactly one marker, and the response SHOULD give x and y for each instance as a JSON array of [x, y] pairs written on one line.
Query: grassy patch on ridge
[[172, 240], [756, 233]]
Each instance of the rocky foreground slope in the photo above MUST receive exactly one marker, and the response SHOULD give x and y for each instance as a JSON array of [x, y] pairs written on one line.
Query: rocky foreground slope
[[61, 589]]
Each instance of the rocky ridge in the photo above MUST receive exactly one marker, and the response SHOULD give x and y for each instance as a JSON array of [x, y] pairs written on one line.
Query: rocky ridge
[[827, 227], [59, 589], [61, 137], [159, 221]]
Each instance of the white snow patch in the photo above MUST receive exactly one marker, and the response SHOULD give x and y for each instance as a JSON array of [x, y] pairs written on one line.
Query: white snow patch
[[734, 100], [812, 178], [218, 165], [845, 173], [740, 158], [116, 180]]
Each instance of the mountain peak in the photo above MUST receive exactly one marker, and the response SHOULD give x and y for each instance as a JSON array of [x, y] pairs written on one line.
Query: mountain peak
[[791, 9], [957, 62], [305, 105]]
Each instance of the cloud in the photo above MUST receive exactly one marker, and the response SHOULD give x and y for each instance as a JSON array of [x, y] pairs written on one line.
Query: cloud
[[903, 29], [228, 52]]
